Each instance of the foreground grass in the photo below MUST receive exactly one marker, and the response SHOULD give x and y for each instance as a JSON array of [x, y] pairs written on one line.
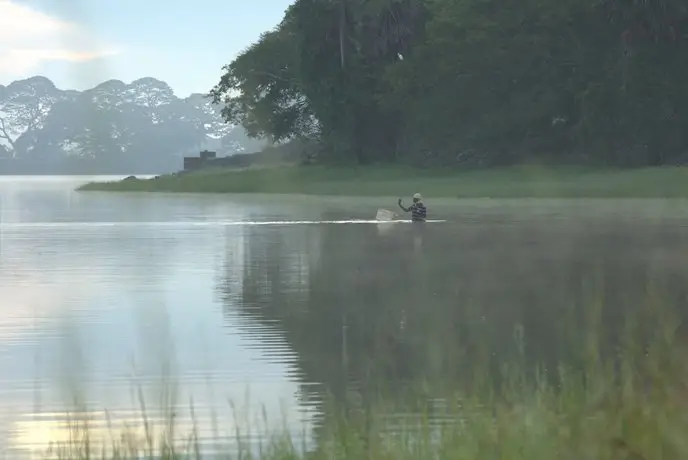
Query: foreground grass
[[517, 182], [574, 420], [620, 400], [630, 407]]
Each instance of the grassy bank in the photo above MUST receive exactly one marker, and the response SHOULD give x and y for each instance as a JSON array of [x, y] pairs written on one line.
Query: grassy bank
[[517, 182]]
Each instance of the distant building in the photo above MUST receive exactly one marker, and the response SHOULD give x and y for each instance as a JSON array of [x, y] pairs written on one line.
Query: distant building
[[193, 163], [207, 154]]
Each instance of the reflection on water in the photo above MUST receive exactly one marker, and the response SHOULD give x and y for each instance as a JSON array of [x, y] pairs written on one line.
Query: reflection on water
[[110, 300], [380, 319], [107, 310]]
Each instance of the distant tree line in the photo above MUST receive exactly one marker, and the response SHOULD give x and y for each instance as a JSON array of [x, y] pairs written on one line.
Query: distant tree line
[[480, 82], [112, 128]]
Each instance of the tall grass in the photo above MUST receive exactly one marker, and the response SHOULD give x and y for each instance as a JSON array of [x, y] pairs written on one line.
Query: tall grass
[[596, 421], [629, 405]]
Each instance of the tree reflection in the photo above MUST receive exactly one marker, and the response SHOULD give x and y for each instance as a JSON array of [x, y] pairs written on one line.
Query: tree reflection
[[370, 314]]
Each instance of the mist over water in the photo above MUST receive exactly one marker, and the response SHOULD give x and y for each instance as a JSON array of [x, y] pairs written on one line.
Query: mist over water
[[210, 299]]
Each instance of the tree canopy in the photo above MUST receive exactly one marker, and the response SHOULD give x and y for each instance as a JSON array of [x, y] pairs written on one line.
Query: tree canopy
[[113, 127], [470, 81]]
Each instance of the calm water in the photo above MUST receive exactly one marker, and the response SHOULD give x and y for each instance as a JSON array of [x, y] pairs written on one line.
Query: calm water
[[188, 299]]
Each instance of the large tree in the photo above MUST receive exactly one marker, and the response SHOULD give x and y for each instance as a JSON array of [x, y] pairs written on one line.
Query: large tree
[[24, 106], [458, 80], [319, 74]]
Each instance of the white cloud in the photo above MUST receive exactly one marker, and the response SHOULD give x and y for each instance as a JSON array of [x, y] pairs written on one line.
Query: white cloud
[[29, 37]]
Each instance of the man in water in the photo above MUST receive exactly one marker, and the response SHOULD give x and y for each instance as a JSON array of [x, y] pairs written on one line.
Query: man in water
[[417, 209]]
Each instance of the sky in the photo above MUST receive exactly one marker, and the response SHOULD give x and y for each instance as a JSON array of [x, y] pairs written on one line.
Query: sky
[[80, 43]]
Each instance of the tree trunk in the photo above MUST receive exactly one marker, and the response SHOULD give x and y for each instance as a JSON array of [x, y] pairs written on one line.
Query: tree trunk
[[342, 34]]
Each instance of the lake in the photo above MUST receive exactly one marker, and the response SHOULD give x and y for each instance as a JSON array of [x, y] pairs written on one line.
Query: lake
[[220, 303]]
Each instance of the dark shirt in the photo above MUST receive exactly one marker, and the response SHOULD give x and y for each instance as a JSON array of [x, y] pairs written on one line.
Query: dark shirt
[[418, 212]]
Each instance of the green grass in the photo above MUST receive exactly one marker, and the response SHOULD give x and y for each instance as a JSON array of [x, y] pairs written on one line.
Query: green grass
[[628, 401], [635, 409], [516, 182], [597, 420]]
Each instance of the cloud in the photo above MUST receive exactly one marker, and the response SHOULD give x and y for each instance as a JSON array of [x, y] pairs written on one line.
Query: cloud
[[29, 38]]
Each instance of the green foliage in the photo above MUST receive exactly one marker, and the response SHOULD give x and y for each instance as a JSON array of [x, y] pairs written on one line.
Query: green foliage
[[480, 81], [319, 75], [269, 102]]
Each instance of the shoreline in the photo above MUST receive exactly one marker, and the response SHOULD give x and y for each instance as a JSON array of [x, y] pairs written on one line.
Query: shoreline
[[514, 182]]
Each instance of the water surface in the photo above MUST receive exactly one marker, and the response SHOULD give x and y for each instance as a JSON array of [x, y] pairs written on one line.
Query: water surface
[[207, 299]]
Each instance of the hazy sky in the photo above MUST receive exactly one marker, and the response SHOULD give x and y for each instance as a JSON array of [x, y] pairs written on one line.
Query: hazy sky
[[79, 43]]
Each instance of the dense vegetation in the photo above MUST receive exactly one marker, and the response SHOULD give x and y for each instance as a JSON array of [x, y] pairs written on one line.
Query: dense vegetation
[[114, 127], [470, 81]]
